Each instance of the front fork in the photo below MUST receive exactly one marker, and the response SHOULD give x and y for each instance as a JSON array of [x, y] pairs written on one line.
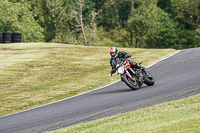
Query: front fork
[[128, 74], [138, 79]]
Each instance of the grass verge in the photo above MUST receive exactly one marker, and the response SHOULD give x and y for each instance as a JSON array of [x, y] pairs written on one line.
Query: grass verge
[[182, 116], [35, 74]]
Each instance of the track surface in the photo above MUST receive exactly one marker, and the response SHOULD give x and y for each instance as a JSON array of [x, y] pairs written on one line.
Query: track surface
[[176, 77]]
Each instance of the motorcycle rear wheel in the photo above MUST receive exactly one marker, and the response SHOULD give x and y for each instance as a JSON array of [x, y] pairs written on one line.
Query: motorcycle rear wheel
[[148, 79], [132, 83]]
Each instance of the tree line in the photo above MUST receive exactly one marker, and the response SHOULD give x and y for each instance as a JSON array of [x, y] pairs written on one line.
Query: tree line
[[124, 23]]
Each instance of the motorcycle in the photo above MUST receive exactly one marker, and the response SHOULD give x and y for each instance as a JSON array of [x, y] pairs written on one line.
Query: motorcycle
[[134, 77]]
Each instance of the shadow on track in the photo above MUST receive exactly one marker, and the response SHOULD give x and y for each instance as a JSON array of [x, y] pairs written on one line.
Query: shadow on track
[[119, 90]]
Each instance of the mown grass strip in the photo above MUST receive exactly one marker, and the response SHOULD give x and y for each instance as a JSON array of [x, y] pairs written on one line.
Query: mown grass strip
[[35, 74], [182, 116]]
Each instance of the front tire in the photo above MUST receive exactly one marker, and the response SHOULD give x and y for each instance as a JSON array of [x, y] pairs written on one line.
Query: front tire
[[132, 83]]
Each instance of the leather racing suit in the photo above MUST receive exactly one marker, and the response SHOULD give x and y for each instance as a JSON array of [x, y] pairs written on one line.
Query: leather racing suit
[[116, 60]]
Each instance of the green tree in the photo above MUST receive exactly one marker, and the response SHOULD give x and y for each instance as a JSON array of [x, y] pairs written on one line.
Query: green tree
[[147, 23], [187, 14], [81, 14], [152, 27], [196, 42], [165, 5]]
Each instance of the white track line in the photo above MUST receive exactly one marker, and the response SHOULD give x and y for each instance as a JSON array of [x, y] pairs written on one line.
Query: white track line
[[87, 91], [163, 59]]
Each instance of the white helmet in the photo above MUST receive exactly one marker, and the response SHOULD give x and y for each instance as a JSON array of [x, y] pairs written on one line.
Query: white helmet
[[113, 52]]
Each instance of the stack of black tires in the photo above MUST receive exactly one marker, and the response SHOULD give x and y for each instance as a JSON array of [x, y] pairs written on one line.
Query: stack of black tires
[[1, 37], [16, 37], [7, 37]]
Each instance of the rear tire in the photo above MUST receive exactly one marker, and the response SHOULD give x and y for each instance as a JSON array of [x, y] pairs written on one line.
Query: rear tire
[[132, 83], [148, 79]]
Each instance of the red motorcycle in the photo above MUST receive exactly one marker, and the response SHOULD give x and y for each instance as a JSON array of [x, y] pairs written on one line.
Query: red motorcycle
[[134, 77]]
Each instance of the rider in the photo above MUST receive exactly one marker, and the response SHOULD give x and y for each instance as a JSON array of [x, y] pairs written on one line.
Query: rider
[[116, 56]]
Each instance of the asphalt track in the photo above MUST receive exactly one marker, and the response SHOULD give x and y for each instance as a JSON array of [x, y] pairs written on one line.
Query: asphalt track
[[176, 77]]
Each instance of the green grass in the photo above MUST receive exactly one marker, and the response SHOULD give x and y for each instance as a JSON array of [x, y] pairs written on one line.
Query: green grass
[[182, 116], [35, 74]]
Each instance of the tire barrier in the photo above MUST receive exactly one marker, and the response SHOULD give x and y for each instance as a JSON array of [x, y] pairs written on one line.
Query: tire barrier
[[8, 37], [1, 37], [16, 37]]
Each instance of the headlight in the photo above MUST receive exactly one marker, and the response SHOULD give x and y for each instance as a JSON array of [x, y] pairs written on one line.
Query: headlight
[[120, 70]]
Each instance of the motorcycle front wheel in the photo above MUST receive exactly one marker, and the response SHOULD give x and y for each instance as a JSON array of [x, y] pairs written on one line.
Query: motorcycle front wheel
[[130, 82]]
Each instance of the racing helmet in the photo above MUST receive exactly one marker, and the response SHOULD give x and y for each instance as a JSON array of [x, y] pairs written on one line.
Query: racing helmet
[[113, 52]]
